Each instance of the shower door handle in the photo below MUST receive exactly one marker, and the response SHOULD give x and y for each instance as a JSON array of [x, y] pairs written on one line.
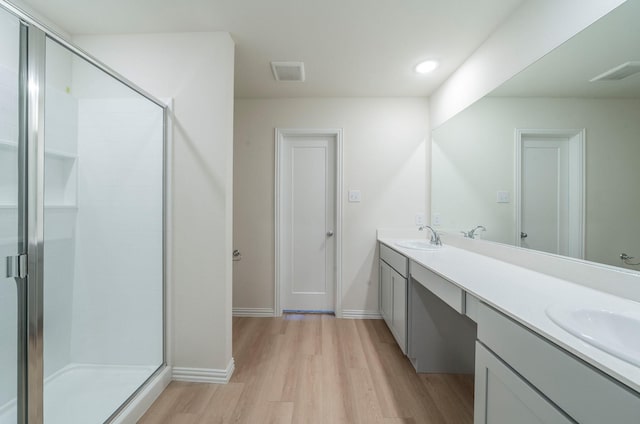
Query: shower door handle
[[16, 266]]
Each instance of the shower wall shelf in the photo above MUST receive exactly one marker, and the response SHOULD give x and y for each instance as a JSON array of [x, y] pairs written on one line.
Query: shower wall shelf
[[61, 175], [12, 145]]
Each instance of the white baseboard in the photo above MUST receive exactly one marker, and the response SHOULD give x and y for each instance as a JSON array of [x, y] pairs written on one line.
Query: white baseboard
[[204, 375], [360, 314], [253, 312], [143, 400]]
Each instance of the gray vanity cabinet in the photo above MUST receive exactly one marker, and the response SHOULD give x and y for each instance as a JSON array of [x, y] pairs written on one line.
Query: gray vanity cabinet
[[399, 314], [393, 293], [502, 396], [386, 292], [521, 374]]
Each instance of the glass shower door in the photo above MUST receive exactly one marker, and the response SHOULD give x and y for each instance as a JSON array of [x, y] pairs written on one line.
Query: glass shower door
[[81, 232], [11, 289], [103, 240]]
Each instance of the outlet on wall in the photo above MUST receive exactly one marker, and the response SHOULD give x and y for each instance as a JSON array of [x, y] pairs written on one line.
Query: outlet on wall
[[419, 219], [436, 219], [354, 196]]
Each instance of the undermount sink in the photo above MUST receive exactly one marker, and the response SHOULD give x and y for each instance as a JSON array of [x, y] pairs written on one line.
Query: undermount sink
[[616, 333], [418, 244]]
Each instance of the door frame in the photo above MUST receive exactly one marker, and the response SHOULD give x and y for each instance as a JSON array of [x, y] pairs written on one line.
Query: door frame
[[577, 185], [280, 135]]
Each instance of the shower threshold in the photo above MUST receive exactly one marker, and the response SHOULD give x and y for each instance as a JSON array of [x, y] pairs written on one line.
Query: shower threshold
[[85, 393]]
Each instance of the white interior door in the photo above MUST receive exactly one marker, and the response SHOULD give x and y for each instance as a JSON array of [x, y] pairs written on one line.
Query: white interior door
[[307, 222], [551, 193], [544, 195]]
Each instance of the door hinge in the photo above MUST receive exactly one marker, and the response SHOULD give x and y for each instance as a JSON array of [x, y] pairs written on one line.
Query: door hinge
[[17, 266]]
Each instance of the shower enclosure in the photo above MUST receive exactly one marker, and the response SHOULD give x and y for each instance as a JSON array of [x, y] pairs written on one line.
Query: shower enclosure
[[82, 159]]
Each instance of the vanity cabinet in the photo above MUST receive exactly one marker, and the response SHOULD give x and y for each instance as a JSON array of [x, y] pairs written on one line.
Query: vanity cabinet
[[502, 396], [393, 293], [386, 292], [520, 374], [525, 372]]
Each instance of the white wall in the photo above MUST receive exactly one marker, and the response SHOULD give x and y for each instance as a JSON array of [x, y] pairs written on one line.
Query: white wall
[[384, 157], [196, 70], [533, 30], [474, 156]]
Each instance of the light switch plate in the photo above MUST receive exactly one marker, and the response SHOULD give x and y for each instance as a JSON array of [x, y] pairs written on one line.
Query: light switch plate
[[354, 196], [502, 197]]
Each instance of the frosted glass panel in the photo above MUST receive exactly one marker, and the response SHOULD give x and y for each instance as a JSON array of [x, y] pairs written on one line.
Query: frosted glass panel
[[9, 61], [103, 271]]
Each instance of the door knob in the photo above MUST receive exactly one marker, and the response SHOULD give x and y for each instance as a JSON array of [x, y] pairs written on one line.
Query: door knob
[[523, 235], [329, 233]]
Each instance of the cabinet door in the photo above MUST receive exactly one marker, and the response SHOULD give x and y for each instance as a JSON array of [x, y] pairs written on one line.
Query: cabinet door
[[503, 397], [399, 319], [386, 293]]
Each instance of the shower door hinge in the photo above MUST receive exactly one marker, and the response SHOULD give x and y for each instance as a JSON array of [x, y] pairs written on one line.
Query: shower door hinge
[[17, 266]]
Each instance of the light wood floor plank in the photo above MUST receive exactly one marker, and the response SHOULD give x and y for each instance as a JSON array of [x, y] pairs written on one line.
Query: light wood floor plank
[[381, 373], [221, 407], [399, 421], [438, 385], [307, 406], [338, 407], [411, 398], [279, 413], [350, 344], [308, 369], [293, 357], [363, 393]]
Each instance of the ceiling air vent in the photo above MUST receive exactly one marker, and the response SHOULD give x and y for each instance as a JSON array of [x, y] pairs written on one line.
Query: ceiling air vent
[[619, 72], [288, 71]]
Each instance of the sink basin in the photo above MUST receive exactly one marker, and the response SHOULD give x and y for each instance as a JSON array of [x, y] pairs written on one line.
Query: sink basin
[[418, 244], [616, 333]]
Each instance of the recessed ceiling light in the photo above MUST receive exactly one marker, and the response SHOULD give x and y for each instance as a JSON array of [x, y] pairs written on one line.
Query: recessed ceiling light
[[426, 66]]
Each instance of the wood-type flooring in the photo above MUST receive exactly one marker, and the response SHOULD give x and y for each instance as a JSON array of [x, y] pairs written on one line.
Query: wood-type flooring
[[308, 369]]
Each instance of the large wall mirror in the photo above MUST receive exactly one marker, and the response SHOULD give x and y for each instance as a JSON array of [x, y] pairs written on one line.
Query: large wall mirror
[[551, 159]]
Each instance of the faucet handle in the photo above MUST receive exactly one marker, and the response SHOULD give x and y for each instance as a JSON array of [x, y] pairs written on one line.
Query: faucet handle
[[435, 238]]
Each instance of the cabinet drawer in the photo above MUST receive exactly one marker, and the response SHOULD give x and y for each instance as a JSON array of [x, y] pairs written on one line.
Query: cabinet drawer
[[395, 259], [471, 307], [584, 393], [451, 294]]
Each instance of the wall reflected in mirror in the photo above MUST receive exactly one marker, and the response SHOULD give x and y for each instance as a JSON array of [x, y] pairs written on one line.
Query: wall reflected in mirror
[[501, 162]]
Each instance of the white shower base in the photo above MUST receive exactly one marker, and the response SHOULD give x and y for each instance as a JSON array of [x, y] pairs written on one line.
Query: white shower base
[[85, 393]]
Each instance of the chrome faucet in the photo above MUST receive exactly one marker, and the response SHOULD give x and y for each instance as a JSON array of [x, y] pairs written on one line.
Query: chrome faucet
[[472, 233], [435, 237]]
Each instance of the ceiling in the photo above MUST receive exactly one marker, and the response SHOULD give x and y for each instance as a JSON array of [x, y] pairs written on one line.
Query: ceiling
[[349, 47], [566, 71]]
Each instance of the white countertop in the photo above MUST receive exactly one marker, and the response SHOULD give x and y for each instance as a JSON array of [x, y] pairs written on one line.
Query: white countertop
[[523, 295]]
